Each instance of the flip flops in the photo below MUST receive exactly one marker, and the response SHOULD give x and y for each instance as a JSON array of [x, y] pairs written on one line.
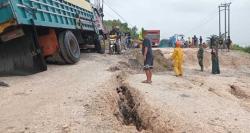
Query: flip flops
[[147, 82]]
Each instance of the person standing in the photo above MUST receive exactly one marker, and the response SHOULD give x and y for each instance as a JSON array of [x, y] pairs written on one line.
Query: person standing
[[178, 59], [148, 58], [200, 39], [200, 56], [221, 43], [128, 40], [189, 41], [215, 58], [195, 41], [228, 43]]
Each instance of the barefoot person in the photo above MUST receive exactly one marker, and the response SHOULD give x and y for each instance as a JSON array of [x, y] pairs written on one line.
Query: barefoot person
[[148, 58], [178, 59]]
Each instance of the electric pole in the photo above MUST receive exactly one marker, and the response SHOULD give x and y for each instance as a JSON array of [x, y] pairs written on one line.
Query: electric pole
[[219, 21], [229, 26], [225, 22], [226, 8]]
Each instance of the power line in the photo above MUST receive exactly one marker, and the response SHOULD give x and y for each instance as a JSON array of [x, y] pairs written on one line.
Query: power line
[[109, 14], [114, 11], [204, 21], [107, 4]]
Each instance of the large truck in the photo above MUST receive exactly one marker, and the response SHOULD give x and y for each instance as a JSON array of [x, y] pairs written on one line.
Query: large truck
[[154, 36], [34, 32]]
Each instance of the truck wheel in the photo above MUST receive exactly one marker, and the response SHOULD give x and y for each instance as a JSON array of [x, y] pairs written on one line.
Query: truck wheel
[[69, 47]]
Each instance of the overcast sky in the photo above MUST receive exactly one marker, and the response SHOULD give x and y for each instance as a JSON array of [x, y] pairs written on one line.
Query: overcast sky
[[188, 17]]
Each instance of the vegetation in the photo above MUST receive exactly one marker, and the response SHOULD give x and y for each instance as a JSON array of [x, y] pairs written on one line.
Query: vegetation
[[124, 28], [238, 47]]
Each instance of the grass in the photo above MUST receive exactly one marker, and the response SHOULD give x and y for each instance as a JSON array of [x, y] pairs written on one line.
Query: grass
[[244, 49]]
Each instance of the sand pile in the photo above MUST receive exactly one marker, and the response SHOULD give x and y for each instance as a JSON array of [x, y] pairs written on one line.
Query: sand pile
[[160, 62], [233, 59], [163, 61]]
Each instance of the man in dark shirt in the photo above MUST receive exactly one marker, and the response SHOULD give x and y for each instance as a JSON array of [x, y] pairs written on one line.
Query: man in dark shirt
[[195, 41], [201, 39], [228, 43], [148, 58]]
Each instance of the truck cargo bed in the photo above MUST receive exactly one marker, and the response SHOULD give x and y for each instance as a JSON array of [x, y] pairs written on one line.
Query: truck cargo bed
[[48, 13]]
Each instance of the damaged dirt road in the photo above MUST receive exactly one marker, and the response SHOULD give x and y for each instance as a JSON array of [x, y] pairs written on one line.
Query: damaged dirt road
[[104, 93], [64, 99]]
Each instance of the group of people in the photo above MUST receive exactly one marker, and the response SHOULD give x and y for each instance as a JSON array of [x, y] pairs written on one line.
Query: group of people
[[121, 38], [227, 42], [194, 41], [177, 58]]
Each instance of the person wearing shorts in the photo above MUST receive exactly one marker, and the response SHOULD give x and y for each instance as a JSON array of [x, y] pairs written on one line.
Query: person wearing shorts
[[148, 59]]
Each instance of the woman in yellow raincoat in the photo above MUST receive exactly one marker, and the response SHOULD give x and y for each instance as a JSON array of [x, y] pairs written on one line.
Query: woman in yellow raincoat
[[178, 59]]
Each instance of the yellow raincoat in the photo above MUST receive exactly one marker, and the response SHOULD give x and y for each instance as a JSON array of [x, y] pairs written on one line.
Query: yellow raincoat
[[178, 60]]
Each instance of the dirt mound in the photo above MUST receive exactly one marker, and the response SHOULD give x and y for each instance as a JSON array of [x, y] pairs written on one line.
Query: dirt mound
[[160, 62], [190, 58], [233, 59]]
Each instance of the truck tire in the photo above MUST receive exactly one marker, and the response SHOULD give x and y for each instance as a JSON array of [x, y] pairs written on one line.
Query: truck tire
[[69, 47]]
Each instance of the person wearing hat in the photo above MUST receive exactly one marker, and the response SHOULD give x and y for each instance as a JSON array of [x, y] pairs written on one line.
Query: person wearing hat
[[178, 59]]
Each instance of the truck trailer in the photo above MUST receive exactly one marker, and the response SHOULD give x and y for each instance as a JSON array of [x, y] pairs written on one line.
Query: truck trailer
[[34, 32], [154, 36]]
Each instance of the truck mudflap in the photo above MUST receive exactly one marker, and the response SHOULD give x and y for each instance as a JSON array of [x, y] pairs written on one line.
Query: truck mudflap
[[21, 56]]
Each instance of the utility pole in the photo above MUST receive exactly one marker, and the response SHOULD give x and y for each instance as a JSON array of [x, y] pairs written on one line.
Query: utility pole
[[219, 21], [225, 22], [226, 8], [229, 25]]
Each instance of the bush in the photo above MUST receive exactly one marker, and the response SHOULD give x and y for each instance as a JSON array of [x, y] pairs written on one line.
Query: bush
[[244, 49], [247, 49]]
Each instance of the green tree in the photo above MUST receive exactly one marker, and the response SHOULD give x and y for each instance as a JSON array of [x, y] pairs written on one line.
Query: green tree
[[124, 27]]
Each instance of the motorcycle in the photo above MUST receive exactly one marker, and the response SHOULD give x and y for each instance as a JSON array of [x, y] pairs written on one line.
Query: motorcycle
[[114, 45]]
